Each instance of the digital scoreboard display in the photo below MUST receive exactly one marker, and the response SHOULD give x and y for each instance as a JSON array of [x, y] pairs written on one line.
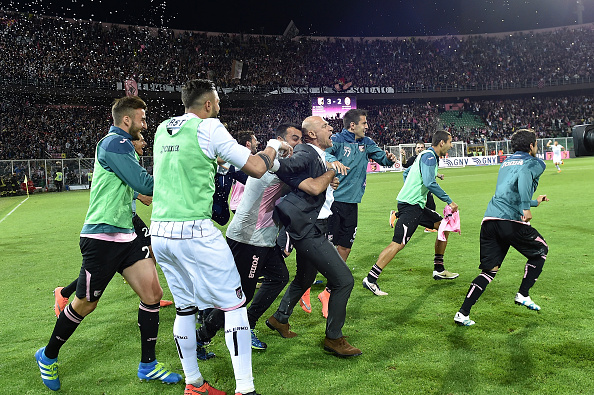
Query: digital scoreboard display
[[332, 106]]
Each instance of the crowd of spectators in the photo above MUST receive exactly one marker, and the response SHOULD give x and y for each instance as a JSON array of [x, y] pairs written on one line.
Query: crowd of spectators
[[48, 131], [46, 51], [548, 116], [45, 131]]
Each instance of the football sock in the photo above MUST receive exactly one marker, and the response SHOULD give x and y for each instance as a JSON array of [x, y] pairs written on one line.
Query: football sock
[[438, 263], [68, 290], [65, 326], [557, 166], [477, 287], [374, 274], [531, 272], [184, 334], [148, 322], [239, 343]]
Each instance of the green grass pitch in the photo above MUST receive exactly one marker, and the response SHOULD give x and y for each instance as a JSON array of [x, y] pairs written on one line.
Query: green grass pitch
[[409, 341]]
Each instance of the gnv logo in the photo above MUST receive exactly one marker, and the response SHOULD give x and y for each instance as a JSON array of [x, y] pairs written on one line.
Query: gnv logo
[[474, 161], [455, 162], [486, 160]]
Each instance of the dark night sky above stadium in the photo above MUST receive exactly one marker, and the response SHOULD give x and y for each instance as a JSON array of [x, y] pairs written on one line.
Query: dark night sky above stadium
[[323, 17]]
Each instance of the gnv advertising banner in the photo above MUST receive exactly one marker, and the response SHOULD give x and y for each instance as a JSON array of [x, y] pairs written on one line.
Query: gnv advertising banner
[[462, 161]]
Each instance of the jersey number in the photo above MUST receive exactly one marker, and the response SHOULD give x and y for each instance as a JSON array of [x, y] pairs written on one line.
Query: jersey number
[[148, 252]]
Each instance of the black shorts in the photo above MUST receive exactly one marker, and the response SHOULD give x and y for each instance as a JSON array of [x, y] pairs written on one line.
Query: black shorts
[[498, 235], [342, 224], [102, 260], [409, 218], [142, 231]]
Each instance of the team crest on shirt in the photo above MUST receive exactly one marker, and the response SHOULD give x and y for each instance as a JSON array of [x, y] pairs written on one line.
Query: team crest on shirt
[[362, 148], [239, 293]]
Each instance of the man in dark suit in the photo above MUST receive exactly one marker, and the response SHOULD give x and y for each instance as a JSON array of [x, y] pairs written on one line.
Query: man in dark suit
[[304, 212]]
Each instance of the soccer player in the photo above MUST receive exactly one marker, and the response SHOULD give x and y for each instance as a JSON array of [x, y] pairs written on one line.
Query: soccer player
[[62, 294], [413, 212], [108, 245], [191, 251], [556, 148], [507, 224], [352, 150], [251, 235], [419, 147]]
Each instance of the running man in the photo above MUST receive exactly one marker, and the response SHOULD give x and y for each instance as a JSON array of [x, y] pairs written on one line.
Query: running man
[[109, 245], [413, 212], [252, 235], [507, 224], [62, 294], [556, 148], [191, 251]]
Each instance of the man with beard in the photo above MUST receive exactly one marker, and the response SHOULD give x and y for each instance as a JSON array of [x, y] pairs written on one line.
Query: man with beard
[[109, 245]]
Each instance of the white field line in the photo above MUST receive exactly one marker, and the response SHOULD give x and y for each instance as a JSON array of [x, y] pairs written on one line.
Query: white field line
[[13, 210]]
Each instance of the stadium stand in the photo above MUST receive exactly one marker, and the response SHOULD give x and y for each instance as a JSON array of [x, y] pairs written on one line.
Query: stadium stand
[[58, 77]]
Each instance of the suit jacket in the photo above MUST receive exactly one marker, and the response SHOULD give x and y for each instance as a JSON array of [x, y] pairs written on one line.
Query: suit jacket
[[298, 211]]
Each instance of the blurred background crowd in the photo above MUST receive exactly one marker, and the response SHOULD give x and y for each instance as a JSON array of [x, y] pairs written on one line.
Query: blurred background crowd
[[49, 55]]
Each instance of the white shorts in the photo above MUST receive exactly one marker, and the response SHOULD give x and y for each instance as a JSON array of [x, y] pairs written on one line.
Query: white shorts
[[557, 159], [200, 271]]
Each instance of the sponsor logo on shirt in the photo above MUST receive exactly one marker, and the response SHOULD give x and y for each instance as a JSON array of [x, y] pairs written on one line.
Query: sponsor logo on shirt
[[169, 148], [517, 162]]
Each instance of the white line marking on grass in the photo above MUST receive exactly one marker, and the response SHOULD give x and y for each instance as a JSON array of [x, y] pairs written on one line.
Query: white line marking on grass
[[6, 216]]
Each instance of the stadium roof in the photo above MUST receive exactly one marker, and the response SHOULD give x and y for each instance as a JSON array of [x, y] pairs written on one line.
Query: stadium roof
[[365, 18]]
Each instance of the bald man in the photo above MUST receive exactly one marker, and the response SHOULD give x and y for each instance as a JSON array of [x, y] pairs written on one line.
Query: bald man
[[304, 212]]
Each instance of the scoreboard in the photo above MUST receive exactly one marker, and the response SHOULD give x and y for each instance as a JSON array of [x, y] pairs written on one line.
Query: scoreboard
[[332, 106]]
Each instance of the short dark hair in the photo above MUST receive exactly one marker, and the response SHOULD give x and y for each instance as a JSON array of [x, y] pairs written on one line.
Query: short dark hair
[[243, 136], [193, 90], [521, 140], [126, 106], [353, 115], [440, 135], [281, 130]]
